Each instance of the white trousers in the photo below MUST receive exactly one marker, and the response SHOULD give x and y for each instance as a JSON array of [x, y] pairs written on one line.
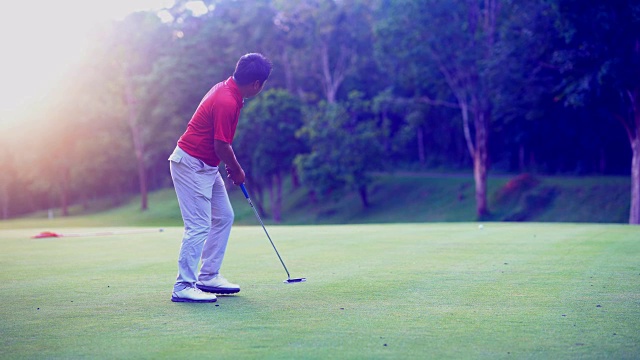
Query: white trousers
[[207, 215]]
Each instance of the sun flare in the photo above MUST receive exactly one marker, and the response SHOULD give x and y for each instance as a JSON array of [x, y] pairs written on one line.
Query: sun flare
[[42, 42]]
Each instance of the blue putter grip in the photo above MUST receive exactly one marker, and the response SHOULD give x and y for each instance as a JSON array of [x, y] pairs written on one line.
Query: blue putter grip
[[244, 191]]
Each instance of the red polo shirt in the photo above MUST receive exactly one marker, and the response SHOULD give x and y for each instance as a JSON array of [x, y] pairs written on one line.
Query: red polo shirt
[[215, 118]]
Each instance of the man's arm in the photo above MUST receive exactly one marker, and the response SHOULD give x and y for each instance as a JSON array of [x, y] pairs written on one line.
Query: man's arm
[[224, 151]]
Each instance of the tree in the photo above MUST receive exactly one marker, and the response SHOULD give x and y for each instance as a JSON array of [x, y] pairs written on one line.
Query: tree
[[344, 147], [462, 45], [7, 181], [134, 46], [523, 105], [267, 143], [600, 61], [458, 38], [329, 40]]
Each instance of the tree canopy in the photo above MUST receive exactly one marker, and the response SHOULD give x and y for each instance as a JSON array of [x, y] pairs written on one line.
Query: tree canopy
[[548, 87]]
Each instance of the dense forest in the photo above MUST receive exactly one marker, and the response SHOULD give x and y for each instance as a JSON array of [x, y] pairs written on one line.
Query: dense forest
[[503, 86]]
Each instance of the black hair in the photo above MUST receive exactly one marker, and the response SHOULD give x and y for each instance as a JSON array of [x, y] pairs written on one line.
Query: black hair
[[252, 67]]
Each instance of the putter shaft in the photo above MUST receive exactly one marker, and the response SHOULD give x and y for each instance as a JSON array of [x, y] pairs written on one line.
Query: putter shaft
[[268, 237]]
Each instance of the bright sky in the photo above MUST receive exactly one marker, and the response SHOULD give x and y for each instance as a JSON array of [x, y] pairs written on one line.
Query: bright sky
[[41, 39]]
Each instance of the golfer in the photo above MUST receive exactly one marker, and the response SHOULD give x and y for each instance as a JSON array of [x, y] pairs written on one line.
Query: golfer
[[204, 203]]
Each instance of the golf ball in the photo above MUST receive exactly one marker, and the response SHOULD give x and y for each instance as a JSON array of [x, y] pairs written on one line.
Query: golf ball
[[480, 226]]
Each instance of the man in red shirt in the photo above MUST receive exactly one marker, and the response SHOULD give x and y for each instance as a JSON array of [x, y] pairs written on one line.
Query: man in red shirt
[[204, 203]]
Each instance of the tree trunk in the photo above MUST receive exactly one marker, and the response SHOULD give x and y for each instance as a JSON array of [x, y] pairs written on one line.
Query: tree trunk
[[258, 194], [521, 156], [288, 72], [64, 192], [327, 81], [634, 214], [633, 132], [632, 127], [279, 193], [333, 78], [479, 150], [295, 179], [421, 155], [4, 198], [466, 83], [364, 198], [276, 202], [602, 163], [138, 144], [634, 139], [142, 180], [480, 177], [480, 163], [313, 197]]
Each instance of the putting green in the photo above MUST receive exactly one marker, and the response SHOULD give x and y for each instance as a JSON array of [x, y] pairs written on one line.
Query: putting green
[[373, 291]]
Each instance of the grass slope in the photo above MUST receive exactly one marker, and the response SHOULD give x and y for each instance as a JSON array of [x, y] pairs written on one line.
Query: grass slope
[[403, 197], [509, 290]]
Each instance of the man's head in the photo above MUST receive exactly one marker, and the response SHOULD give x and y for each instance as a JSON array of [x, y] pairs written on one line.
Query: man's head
[[252, 70]]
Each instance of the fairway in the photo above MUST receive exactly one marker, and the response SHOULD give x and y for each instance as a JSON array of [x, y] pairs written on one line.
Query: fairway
[[401, 291]]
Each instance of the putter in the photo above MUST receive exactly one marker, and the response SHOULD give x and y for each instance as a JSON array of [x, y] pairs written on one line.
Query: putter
[[289, 279]]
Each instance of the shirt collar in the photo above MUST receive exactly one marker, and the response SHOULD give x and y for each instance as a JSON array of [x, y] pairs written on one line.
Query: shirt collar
[[231, 83]]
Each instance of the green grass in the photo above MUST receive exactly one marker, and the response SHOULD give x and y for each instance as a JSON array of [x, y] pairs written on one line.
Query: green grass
[[402, 197], [507, 291]]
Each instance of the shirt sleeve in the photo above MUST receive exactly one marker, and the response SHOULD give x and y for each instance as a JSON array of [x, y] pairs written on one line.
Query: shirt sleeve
[[225, 120]]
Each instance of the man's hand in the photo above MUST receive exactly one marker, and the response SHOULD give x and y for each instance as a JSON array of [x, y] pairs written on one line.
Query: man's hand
[[235, 175], [228, 157]]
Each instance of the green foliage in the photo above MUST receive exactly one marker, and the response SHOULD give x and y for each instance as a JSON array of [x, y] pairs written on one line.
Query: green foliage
[[266, 140], [345, 147], [328, 43], [600, 64], [597, 52], [544, 55]]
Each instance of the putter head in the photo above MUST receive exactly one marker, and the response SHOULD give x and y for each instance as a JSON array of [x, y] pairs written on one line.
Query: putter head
[[297, 280]]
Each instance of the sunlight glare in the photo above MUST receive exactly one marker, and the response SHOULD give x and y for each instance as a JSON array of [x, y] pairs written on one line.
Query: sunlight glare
[[43, 42], [197, 8]]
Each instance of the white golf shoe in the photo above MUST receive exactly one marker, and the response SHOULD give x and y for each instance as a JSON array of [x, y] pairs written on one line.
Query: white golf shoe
[[218, 285], [194, 295]]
